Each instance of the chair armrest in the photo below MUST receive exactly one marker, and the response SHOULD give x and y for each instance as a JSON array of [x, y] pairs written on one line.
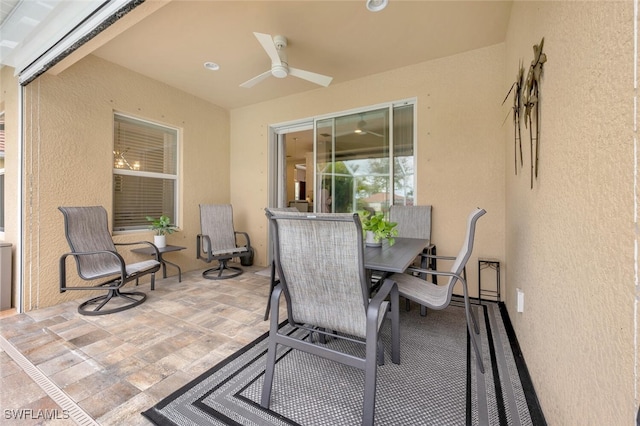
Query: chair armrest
[[63, 267], [246, 237], [274, 305], [157, 253], [433, 256], [200, 241], [462, 277], [388, 288]]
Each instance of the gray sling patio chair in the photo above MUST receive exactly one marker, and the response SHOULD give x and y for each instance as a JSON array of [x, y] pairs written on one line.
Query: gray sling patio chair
[[94, 251], [320, 262], [415, 222], [439, 296], [218, 241]]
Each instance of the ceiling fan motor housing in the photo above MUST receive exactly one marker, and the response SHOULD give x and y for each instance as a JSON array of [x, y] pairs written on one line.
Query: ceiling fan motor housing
[[280, 41], [280, 70]]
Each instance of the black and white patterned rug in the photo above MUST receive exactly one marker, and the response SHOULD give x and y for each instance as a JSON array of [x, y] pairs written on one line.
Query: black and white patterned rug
[[436, 383]]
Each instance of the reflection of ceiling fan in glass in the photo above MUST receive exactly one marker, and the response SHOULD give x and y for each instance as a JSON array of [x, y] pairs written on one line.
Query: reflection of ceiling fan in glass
[[362, 129]]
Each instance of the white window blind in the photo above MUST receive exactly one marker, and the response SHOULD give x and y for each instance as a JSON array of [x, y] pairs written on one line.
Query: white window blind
[[145, 172]]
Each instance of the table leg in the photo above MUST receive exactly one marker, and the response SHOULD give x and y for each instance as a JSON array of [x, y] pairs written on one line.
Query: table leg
[[164, 266], [164, 269]]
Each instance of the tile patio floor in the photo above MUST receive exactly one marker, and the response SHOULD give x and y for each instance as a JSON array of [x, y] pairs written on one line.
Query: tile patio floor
[[114, 366]]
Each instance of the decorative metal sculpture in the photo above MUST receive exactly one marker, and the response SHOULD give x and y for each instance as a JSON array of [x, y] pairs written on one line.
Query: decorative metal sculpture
[[532, 102], [517, 105], [529, 97]]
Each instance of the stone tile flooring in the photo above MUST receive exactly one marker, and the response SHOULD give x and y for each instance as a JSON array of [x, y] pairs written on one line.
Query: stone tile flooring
[[115, 366]]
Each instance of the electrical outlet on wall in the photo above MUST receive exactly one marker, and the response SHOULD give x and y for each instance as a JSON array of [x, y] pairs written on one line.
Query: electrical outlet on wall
[[519, 300]]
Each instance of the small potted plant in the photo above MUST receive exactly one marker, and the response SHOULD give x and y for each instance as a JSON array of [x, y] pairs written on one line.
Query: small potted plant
[[377, 228], [161, 226]]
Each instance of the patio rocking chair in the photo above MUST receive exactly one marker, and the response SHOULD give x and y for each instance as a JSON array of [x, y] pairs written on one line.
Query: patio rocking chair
[[320, 263], [94, 251], [439, 296], [217, 241]]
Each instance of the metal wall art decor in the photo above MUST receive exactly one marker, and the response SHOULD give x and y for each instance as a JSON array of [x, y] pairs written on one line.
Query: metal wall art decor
[[517, 105], [528, 96]]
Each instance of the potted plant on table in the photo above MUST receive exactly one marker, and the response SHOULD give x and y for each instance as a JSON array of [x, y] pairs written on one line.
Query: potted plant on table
[[376, 228], [161, 226]]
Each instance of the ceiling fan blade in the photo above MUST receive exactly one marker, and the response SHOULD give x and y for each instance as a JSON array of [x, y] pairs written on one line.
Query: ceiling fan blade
[[255, 80], [320, 79], [269, 46]]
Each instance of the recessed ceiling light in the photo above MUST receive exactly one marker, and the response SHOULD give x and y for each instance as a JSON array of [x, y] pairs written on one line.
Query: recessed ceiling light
[[211, 66], [376, 5]]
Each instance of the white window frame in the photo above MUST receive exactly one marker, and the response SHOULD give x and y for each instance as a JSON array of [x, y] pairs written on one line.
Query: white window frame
[[175, 217]]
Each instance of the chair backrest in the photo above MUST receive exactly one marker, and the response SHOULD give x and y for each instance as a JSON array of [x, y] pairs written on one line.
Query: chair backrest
[[413, 221], [320, 261], [87, 230], [467, 246], [216, 221], [281, 209]]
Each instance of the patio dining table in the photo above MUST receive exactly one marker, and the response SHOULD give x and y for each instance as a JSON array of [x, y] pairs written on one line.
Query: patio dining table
[[396, 257], [381, 262]]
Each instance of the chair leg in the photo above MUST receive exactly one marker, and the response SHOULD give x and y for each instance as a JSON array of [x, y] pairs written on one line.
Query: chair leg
[[475, 323], [371, 371], [395, 327], [265, 398], [210, 274], [135, 298], [380, 356], [472, 333]]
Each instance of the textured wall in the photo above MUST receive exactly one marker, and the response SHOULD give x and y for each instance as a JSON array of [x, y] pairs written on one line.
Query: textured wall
[[69, 160], [460, 154], [570, 240]]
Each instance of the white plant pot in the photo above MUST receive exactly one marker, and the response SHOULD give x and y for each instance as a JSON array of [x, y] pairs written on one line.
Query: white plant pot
[[160, 241], [370, 240]]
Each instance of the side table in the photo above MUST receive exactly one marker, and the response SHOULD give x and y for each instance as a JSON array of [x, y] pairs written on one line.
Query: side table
[[166, 249], [492, 264]]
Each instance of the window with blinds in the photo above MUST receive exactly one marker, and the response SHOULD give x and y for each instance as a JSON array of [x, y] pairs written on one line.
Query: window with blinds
[[145, 172]]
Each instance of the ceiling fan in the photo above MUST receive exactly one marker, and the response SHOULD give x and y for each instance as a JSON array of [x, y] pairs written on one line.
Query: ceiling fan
[[275, 48]]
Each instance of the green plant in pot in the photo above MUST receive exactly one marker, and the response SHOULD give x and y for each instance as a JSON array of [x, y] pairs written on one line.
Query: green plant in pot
[[376, 228], [161, 226]]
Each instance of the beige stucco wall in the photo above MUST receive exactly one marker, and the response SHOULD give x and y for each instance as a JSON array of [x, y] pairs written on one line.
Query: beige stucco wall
[[570, 240], [69, 160], [460, 153]]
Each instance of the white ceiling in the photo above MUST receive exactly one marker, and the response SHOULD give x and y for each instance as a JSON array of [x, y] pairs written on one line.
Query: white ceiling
[[170, 41]]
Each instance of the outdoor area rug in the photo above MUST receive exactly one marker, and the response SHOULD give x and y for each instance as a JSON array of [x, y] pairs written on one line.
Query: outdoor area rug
[[436, 383]]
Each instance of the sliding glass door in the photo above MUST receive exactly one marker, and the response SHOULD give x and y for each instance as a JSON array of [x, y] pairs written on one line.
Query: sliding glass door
[[364, 160]]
